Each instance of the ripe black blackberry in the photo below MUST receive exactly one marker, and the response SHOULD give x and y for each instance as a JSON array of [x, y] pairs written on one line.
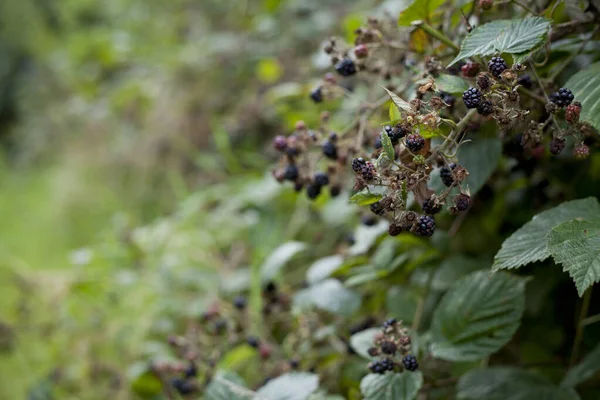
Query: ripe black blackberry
[[380, 367], [431, 207], [410, 362], [557, 145], [472, 98], [562, 98], [329, 149], [357, 164], [485, 108], [497, 66], [313, 191], [317, 95], [368, 220], [298, 186], [394, 229], [462, 202], [368, 171], [183, 386], [525, 81], [389, 347], [377, 143], [291, 172], [389, 323], [191, 371], [377, 208], [415, 142], [335, 190], [447, 98], [253, 341], [425, 226], [239, 302], [321, 179], [446, 174], [345, 67], [484, 81]]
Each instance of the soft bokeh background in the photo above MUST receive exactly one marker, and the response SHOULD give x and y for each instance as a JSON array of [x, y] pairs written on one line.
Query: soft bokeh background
[[133, 150]]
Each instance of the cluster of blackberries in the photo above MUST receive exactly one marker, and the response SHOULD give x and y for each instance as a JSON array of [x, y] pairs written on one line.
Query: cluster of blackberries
[[562, 98], [415, 142], [497, 66], [365, 169], [395, 133], [382, 366], [446, 174], [185, 385], [485, 108]]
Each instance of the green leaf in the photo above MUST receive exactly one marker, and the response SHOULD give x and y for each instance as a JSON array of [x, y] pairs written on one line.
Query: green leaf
[[477, 316], [401, 104], [506, 383], [292, 386], [364, 197], [576, 245], [529, 243], [227, 386], [450, 84], [402, 302], [419, 10], [388, 147], [585, 85], [362, 341], [279, 257], [588, 367], [329, 295], [391, 386], [394, 113], [323, 268], [453, 268], [517, 37], [480, 158]]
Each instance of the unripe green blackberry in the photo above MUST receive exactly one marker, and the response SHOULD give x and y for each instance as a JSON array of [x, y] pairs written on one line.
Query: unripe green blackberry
[[415, 142], [425, 226]]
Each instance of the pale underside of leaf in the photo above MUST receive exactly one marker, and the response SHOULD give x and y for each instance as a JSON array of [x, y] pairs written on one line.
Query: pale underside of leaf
[[585, 86]]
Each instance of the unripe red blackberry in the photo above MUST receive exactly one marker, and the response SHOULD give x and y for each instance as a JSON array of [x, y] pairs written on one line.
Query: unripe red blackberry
[[264, 350], [485, 108], [321, 179], [410, 362], [415, 142], [431, 207], [316, 95], [425, 226], [345, 67], [472, 98], [581, 152], [291, 172], [497, 66], [470, 69], [572, 112], [280, 142], [329, 150], [361, 51], [557, 145], [357, 164], [562, 98]]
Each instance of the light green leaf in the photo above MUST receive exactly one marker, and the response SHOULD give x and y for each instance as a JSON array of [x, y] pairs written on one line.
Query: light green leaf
[[362, 341], [388, 147], [517, 37], [505, 383], [585, 86], [419, 10], [588, 367], [529, 243], [364, 197], [227, 386], [323, 268], [477, 316], [450, 84], [394, 113], [401, 104], [576, 245], [391, 386], [279, 257], [329, 295], [480, 158], [292, 386]]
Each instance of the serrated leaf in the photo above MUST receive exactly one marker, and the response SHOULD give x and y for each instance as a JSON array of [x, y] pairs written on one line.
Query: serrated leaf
[[329, 295], [529, 243], [364, 198], [362, 341], [391, 386], [292, 386], [576, 245], [388, 147], [323, 268], [585, 86], [506, 383], [227, 386], [451, 84], [477, 316], [419, 10], [480, 158], [516, 37], [279, 257], [394, 113], [401, 104], [588, 367]]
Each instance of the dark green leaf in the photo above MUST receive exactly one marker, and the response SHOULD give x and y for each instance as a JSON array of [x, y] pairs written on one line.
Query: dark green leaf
[[391, 386], [588, 367], [584, 85]]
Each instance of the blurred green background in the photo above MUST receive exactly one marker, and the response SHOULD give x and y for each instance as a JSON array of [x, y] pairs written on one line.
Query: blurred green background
[[134, 150]]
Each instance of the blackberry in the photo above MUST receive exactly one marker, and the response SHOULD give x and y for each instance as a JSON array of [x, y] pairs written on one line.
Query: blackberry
[[357, 164], [183, 386], [239, 302], [270, 288], [368, 171], [446, 174], [572, 112], [557, 145], [462, 202], [377, 144], [525, 81], [485, 108], [431, 207], [361, 51], [497, 66], [389, 323], [425, 226], [317, 95], [484, 81], [345, 67], [291, 172], [394, 133], [321, 179], [447, 98], [377, 208], [313, 191], [562, 98], [190, 371], [329, 149], [253, 341], [415, 142], [394, 229], [472, 98], [298, 186], [373, 351], [368, 220], [220, 326], [380, 367], [581, 152], [294, 363], [410, 362], [470, 69], [335, 190], [280, 142], [333, 137], [389, 347]]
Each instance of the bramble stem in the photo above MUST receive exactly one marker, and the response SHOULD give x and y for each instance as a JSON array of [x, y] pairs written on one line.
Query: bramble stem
[[585, 306], [431, 31], [460, 127], [591, 320]]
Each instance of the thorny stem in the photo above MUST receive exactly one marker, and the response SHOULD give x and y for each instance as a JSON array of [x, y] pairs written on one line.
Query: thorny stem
[[585, 306], [534, 96], [431, 31], [460, 127], [539, 81], [523, 6]]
